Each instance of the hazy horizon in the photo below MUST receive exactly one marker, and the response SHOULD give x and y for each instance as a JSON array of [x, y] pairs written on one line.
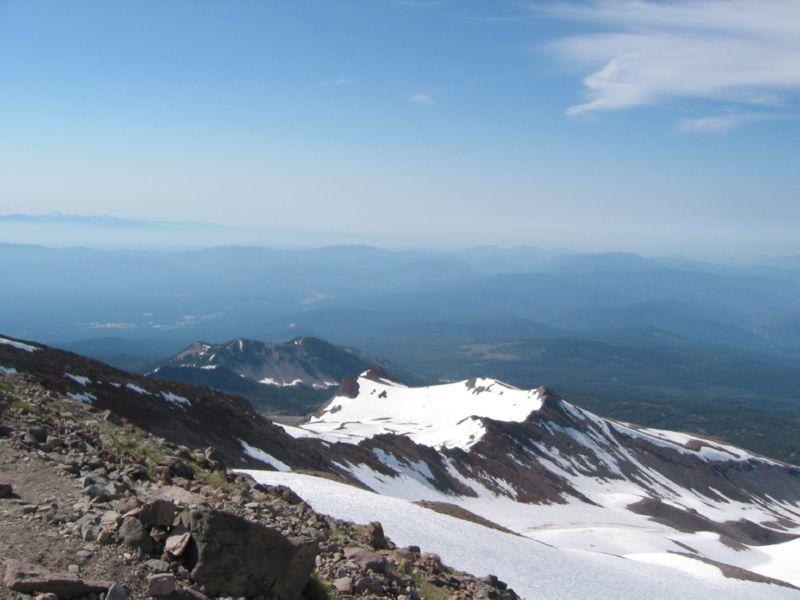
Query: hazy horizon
[[652, 127], [107, 232]]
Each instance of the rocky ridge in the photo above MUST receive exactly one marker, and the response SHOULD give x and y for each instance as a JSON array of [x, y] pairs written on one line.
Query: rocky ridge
[[94, 508]]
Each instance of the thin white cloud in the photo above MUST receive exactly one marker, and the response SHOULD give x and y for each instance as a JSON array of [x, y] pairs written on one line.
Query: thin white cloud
[[745, 52], [337, 82], [422, 99], [722, 123]]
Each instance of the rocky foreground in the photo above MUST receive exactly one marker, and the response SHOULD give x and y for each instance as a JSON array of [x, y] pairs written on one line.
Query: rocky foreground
[[94, 508]]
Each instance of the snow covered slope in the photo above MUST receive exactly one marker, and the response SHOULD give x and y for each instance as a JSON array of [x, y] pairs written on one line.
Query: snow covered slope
[[438, 416], [534, 463], [534, 570]]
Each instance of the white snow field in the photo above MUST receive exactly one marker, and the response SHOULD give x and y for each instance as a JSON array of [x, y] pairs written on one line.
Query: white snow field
[[448, 416], [535, 570], [440, 415]]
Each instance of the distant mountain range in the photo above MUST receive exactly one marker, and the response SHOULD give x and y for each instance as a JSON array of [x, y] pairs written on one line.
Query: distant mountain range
[[669, 342], [293, 377]]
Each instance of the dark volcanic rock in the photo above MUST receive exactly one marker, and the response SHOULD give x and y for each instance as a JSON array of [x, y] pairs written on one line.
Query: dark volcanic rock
[[232, 556], [376, 537], [135, 535], [160, 513], [25, 578]]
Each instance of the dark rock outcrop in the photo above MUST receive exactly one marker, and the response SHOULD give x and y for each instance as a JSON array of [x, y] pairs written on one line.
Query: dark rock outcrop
[[27, 579], [231, 555]]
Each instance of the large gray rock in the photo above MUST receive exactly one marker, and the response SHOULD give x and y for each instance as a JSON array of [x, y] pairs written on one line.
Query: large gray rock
[[232, 556]]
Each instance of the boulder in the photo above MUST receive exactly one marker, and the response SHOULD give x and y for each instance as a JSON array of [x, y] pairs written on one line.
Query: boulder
[[159, 513], [162, 584], [365, 559], [26, 578], [375, 536], [230, 555], [135, 535]]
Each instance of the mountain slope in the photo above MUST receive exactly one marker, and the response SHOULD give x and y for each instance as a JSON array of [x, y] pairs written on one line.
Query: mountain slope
[[534, 463], [189, 415], [292, 377], [528, 461]]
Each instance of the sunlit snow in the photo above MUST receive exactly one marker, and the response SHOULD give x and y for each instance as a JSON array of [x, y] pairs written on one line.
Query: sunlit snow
[[18, 345], [533, 569], [443, 415], [264, 457], [79, 379], [84, 397], [175, 399]]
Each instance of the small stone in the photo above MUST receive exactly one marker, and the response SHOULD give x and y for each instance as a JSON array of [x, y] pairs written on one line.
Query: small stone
[[366, 559], [6, 490], [47, 596], [117, 592], [110, 520], [343, 585], [162, 584], [84, 554], [159, 566], [74, 569], [37, 434], [176, 544]]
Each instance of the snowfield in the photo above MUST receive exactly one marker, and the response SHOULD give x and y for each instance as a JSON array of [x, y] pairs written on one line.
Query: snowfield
[[533, 569], [599, 523], [436, 416]]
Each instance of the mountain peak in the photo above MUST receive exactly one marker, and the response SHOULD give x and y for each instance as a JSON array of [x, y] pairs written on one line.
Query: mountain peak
[[292, 377]]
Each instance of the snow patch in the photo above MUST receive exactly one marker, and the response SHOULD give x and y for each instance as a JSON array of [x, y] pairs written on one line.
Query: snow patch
[[264, 457], [79, 379], [175, 399], [8, 370], [136, 388], [18, 345], [84, 397], [271, 381]]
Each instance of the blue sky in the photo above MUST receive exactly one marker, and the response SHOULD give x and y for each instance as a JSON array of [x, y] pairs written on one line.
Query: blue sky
[[666, 127]]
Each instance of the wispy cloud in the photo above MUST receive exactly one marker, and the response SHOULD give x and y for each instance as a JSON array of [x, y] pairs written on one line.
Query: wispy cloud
[[337, 82], [723, 123], [745, 52], [422, 99]]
